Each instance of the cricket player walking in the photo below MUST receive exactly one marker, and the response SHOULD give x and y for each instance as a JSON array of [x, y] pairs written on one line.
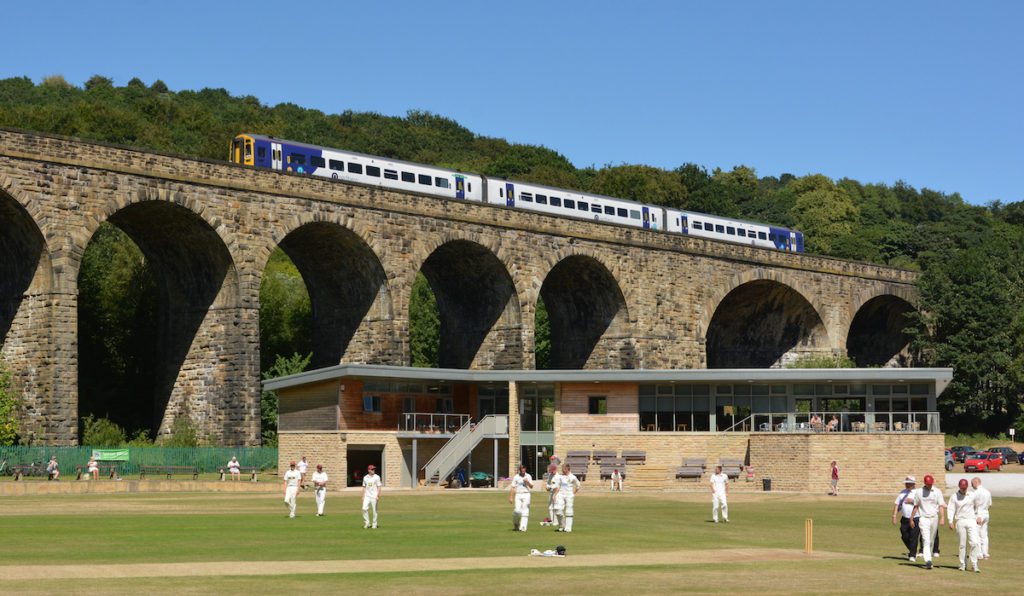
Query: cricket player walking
[[983, 504], [371, 495], [291, 488], [963, 517], [519, 495], [719, 494], [566, 487], [930, 508], [320, 484], [303, 466]]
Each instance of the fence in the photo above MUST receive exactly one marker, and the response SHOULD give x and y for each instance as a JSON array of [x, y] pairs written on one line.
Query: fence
[[207, 459]]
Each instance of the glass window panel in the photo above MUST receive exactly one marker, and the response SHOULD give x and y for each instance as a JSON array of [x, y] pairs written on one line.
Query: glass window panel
[[373, 171], [823, 389], [880, 390], [759, 389], [408, 177], [391, 174], [355, 168], [919, 389], [336, 165]]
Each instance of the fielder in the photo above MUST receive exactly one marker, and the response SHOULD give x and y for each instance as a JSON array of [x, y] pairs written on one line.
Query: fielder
[[930, 508], [983, 504], [291, 488], [566, 487], [550, 487], [719, 494], [963, 517], [320, 484], [371, 495], [519, 495], [303, 466], [616, 480]]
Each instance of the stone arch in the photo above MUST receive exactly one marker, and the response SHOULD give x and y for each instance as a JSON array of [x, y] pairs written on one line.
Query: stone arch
[[588, 315], [478, 305], [763, 323], [347, 285], [197, 320], [25, 267], [876, 335]]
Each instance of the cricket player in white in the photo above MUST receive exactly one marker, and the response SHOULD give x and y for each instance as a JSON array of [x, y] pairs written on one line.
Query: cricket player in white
[[930, 508], [291, 488], [371, 495], [519, 495], [303, 466], [616, 480], [963, 517], [983, 504], [550, 487], [719, 494], [320, 484], [566, 487]]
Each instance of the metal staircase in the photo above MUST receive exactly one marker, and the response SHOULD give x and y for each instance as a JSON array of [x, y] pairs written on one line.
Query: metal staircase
[[459, 447]]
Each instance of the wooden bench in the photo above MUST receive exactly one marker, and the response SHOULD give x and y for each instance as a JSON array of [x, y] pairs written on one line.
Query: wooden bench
[[169, 471], [601, 455], [693, 467], [634, 456], [19, 471], [731, 467], [252, 471], [111, 471]]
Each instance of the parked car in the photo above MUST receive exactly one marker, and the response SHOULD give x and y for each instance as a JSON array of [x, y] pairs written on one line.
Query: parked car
[[1009, 455], [961, 450], [1020, 458], [983, 461], [950, 460]]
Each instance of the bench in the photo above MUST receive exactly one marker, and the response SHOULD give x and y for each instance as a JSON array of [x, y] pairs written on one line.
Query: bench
[[169, 471], [634, 456], [693, 467], [110, 470], [577, 455], [601, 455], [19, 471], [606, 472], [731, 467], [252, 471]]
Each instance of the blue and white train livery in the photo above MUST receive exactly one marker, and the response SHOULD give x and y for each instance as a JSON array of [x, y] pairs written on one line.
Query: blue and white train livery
[[267, 152]]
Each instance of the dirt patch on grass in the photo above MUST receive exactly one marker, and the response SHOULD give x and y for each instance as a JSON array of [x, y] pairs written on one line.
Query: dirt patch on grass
[[251, 568]]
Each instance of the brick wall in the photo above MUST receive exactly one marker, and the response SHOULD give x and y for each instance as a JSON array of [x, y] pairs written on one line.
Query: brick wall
[[331, 449], [622, 416]]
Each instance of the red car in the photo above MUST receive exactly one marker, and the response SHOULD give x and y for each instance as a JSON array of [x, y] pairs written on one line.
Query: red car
[[983, 461]]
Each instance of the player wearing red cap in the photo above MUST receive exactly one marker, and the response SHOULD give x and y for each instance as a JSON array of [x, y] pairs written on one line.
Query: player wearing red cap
[[291, 488], [963, 517], [371, 495], [930, 508]]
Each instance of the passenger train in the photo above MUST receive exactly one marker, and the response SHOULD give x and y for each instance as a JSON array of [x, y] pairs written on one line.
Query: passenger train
[[268, 152]]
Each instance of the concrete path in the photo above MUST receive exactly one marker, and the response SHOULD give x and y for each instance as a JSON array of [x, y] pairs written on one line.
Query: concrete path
[[1001, 485]]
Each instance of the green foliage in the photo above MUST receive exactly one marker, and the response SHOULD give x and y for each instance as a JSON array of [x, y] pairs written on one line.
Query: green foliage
[[824, 212], [183, 434], [542, 336], [285, 313], [282, 367], [101, 432], [823, 361], [10, 404], [424, 325]]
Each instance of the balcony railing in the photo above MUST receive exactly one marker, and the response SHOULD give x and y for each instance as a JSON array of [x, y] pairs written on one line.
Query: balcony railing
[[824, 422], [431, 424]]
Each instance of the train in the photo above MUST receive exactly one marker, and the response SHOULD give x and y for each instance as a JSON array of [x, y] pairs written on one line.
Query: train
[[261, 151]]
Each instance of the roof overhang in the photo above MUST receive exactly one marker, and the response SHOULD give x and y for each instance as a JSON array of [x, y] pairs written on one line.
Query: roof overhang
[[940, 376]]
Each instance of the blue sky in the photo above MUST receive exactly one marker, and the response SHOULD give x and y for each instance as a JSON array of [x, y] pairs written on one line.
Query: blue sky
[[928, 92]]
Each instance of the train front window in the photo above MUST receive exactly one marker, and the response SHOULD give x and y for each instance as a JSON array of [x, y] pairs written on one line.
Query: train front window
[[236, 151], [248, 151]]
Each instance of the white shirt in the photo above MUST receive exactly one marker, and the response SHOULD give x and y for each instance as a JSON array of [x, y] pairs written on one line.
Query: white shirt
[[292, 478], [519, 483], [616, 475], [302, 465], [319, 477], [233, 465], [371, 485], [93, 465], [719, 482], [984, 501], [906, 502], [566, 483], [962, 507], [928, 504]]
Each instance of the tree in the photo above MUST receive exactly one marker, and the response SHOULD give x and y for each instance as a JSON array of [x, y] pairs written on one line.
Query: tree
[[823, 212], [424, 325], [101, 432], [10, 404], [640, 183], [542, 336], [282, 367]]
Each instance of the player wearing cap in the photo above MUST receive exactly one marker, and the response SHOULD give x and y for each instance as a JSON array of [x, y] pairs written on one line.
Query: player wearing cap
[[519, 496], [566, 487], [719, 494], [371, 495], [983, 504], [291, 488], [963, 517], [904, 508], [929, 509], [320, 484], [303, 465]]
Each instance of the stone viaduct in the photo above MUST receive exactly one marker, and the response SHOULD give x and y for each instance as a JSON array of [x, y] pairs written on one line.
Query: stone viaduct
[[617, 297]]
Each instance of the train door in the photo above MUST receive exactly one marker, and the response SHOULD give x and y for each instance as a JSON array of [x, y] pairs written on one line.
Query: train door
[[646, 217], [510, 194], [275, 155], [460, 187], [236, 151]]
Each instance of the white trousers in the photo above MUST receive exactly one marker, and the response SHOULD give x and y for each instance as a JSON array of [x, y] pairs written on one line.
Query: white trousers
[[321, 497], [290, 494], [564, 510], [617, 483], [369, 503], [967, 529], [983, 533], [521, 513], [719, 501], [929, 527]]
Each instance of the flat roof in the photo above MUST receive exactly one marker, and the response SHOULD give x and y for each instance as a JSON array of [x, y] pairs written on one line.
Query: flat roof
[[940, 376]]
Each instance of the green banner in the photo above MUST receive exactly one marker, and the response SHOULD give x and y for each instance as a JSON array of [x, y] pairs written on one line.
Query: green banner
[[110, 454]]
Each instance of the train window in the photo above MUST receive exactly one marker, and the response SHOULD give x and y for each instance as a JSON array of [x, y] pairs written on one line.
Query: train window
[[440, 182], [525, 196], [355, 168], [556, 202], [583, 206], [761, 236], [261, 152], [317, 162], [295, 158], [771, 236], [501, 192], [469, 187], [391, 174], [697, 225], [542, 199], [730, 231], [425, 179], [408, 177], [595, 208], [570, 204], [741, 232], [634, 214], [609, 210], [622, 212], [373, 171], [720, 229], [336, 165]]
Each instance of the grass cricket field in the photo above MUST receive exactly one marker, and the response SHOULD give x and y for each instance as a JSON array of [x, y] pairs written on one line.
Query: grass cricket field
[[462, 542]]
